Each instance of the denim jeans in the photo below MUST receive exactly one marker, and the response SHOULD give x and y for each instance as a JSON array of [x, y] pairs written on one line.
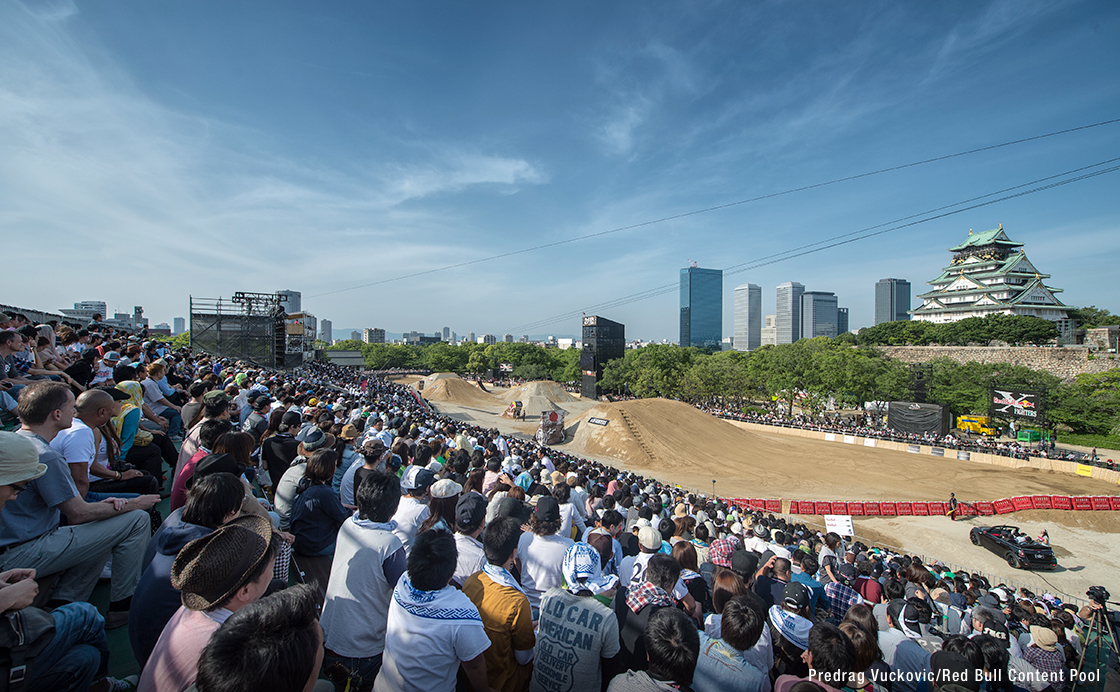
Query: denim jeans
[[335, 668], [78, 654]]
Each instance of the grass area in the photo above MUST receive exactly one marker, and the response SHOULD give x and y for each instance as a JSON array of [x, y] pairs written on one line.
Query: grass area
[[1098, 441]]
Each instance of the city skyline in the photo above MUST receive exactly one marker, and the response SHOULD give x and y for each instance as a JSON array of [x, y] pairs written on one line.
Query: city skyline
[[359, 144]]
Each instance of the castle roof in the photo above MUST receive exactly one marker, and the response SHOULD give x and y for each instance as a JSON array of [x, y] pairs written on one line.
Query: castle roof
[[994, 236]]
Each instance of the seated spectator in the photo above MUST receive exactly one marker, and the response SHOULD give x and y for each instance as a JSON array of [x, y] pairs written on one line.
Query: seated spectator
[[158, 402], [316, 513], [215, 404], [470, 520], [503, 607], [841, 595], [272, 645], [723, 664], [772, 580], [790, 625], [540, 552], [218, 574], [288, 487], [213, 501], [145, 445], [673, 647], [952, 672], [368, 561], [432, 628], [1043, 654], [572, 614], [30, 530], [830, 658], [73, 661], [280, 450], [211, 430], [901, 652], [809, 567], [192, 410]]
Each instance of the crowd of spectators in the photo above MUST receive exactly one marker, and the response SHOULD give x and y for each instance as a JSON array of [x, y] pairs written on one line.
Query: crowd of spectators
[[445, 556]]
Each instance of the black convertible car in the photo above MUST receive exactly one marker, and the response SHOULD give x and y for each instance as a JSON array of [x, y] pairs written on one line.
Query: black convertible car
[[1020, 550]]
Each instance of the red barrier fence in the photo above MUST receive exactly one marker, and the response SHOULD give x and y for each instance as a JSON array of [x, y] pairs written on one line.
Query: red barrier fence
[[1007, 505]]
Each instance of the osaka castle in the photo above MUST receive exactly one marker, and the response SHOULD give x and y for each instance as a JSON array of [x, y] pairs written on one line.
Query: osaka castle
[[990, 274]]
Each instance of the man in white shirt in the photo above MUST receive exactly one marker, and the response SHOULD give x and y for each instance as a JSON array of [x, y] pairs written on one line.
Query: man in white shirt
[[413, 509], [470, 519]]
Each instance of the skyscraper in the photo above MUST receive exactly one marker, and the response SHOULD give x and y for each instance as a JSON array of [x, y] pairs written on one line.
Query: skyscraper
[[748, 317], [290, 301], [841, 320], [326, 331], [787, 318], [446, 334], [701, 307], [818, 314], [892, 300], [180, 325]]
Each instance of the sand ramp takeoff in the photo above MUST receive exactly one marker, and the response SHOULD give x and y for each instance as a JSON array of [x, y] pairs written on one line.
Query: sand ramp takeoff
[[658, 433], [542, 389], [456, 391]]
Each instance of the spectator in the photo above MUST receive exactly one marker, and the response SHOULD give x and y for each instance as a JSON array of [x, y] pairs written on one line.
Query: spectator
[[218, 574], [830, 658], [288, 487], [209, 432], [432, 628], [213, 501], [673, 646], [257, 421], [272, 645], [503, 607], [30, 530], [192, 410], [215, 404], [413, 510], [317, 514], [158, 402], [369, 559], [279, 451], [952, 672], [772, 580], [901, 652], [1044, 655], [723, 664], [841, 595], [790, 626], [540, 552], [639, 603], [828, 558], [470, 520], [570, 614], [569, 514], [809, 567]]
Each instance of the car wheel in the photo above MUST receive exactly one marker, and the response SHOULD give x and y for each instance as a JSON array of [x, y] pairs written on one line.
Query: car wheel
[[1012, 560], [975, 537]]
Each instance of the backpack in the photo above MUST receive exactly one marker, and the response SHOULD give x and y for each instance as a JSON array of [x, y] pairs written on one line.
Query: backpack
[[23, 636]]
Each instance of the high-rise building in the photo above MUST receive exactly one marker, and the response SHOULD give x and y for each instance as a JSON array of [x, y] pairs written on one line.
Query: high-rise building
[[85, 310], [748, 317], [471, 338], [892, 300], [818, 314], [326, 331], [446, 334], [787, 319], [454, 338], [356, 336], [488, 339], [701, 307], [770, 331], [603, 341], [290, 301], [373, 335], [507, 338], [179, 325], [841, 320]]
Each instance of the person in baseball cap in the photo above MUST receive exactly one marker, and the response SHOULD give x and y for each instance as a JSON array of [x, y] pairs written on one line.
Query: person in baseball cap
[[413, 509], [19, 465], [218, 575]]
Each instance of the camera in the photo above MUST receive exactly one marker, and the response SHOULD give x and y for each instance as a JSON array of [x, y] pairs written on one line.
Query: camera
[[1098, 594]]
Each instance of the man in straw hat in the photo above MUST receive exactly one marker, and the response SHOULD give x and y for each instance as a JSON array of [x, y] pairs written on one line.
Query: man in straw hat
[[218, 575]]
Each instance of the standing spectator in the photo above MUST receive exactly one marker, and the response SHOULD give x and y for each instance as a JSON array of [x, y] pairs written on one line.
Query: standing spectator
[[504, 609], [317, 514], [413, 510], [723, 665], [470, 519], [540, 553], [369, 559], [831, 659], [809, 568], [279, 451], [432, 628], [841, 595], [673, 646], [638, 605], [572, 614]]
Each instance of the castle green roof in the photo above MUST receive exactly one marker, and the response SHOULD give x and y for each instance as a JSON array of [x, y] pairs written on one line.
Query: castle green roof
[[994, 236]]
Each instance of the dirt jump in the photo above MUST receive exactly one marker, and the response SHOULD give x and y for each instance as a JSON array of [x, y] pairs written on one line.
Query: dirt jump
[[456, 391]]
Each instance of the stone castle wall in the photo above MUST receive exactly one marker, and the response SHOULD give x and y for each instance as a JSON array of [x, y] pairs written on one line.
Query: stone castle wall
[[1066, 363]]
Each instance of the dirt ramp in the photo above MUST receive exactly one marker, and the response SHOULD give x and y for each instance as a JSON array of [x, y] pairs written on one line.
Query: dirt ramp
[[542, 389], [456, 391], [659, 434]]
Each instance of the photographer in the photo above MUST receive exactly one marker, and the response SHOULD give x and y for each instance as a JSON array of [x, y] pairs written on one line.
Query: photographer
[[1098, 615]]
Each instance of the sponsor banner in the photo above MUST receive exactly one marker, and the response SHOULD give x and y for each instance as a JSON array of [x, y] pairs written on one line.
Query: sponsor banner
[[1115, 500], [849, 439], [1061, 502], [1003, 506], [774, 506], [1016, 402], [795, 507], [839, 507], [1022, 502], [985, 509], [904, 509], [1041, 502], [913, 449], [940, 509], [841, 524], [921, 509], [964, 456], [1081, 503], [598, 421], [869, 442], [760, 505], [1084, 470], [855, 509], [937, 451], [871, 509], [1101, 502], [830, 437], [888, 509], [822, 508]]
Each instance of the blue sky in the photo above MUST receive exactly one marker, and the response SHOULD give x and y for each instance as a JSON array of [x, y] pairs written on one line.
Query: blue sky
[[149, 151]]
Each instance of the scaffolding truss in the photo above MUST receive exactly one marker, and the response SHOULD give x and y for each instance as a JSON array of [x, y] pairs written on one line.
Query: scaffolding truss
[[249, 327]]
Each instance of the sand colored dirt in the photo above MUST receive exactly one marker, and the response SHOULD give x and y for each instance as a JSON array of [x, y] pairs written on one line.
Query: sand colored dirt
[[541, 388], [457, 391]]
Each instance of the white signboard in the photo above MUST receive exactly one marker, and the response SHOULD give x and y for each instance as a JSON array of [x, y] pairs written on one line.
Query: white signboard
[[839, 523]]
